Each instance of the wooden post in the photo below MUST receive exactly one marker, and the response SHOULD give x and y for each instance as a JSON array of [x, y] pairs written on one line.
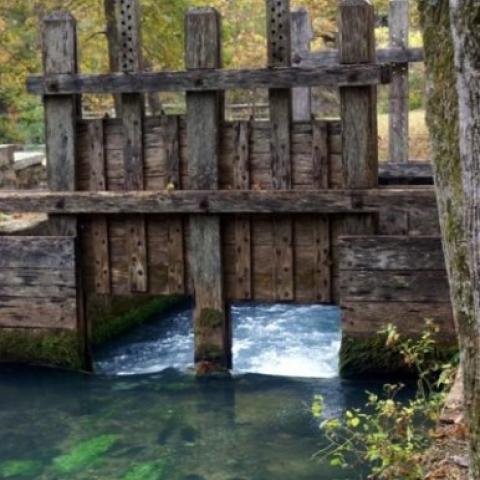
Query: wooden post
[[359, 104], [60, 56], [302, 35], [129, 59], [399, 89], [211, 318], [280, 55], [358, 114]]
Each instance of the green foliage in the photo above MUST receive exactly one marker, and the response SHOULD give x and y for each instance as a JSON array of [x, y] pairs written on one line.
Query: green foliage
[[20, 469], [84, 455], [389, 434]]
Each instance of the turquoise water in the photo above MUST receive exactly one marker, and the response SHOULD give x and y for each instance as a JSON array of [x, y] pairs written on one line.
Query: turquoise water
[[137, 419]]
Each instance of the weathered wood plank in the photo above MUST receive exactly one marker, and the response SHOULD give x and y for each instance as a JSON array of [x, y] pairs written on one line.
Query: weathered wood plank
[[391, 253], [37, 252], [322, 225], [395, 286], [399, 87], [241, 175], [176, 256], [211, 319], [384, 55], [413, 172], [49, 313], [196, 81], [99, 224], [222, 201]]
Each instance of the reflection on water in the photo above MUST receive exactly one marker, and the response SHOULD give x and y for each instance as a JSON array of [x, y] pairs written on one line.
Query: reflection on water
[[171, 426]]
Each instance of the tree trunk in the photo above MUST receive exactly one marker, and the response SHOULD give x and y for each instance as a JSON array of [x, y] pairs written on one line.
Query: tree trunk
[[465, 18]]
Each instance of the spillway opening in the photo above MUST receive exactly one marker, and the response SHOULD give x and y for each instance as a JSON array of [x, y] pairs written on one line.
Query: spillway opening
[[278, 339]]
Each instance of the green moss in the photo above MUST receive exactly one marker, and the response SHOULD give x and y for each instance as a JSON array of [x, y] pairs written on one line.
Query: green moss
[[20, 469], [209, 352], [112, 317], [148, 471], [210, 319], [84, 455], [59, 348], [371, 356]]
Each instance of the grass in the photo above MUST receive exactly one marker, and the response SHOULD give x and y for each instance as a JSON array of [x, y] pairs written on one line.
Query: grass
[[419, 143]]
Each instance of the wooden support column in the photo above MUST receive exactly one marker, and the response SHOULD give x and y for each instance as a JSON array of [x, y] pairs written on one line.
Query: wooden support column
[[204, 118], [129, 60], [280, 55], [399, 89], [60, 56], [302, 35]]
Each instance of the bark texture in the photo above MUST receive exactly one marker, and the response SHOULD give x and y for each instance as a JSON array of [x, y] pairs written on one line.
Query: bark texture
[[465, 21]]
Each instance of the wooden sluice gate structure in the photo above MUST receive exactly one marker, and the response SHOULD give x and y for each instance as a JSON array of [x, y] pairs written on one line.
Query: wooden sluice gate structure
[[277, 211]]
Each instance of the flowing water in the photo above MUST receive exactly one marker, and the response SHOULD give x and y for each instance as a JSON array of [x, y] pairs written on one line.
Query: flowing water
[[144, 416]]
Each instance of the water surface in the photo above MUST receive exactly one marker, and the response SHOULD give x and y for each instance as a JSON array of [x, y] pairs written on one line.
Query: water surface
[[144, 416]]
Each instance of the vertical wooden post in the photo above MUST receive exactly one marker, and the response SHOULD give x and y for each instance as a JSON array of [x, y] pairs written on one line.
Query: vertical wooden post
[[129, 59], [358, 108], [60, 56], [211, 319], [399, 89], [302, 35], [280, 55], [359, 104]]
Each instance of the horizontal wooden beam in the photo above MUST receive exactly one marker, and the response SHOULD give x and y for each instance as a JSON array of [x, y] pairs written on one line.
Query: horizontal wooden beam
[[411, 171], [217, 202], [208, 80], [328, 57]]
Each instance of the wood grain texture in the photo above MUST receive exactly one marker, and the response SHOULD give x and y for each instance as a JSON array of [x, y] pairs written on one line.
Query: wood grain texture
[[129, 61], [221, 202], [384, 55], [391, 253], [279, 54], [176, 253], [99, 224], [302, 34], [201, 81], [243, 240], [59, 44], [38, 274]]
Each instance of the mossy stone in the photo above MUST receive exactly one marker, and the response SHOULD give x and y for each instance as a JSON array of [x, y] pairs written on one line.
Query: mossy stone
[[210, 319], [60, 348], [84, 455], [209, 352], [371, 356], [111, 317]]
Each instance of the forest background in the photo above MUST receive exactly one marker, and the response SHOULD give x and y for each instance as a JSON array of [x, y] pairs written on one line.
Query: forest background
[[21, 115]]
